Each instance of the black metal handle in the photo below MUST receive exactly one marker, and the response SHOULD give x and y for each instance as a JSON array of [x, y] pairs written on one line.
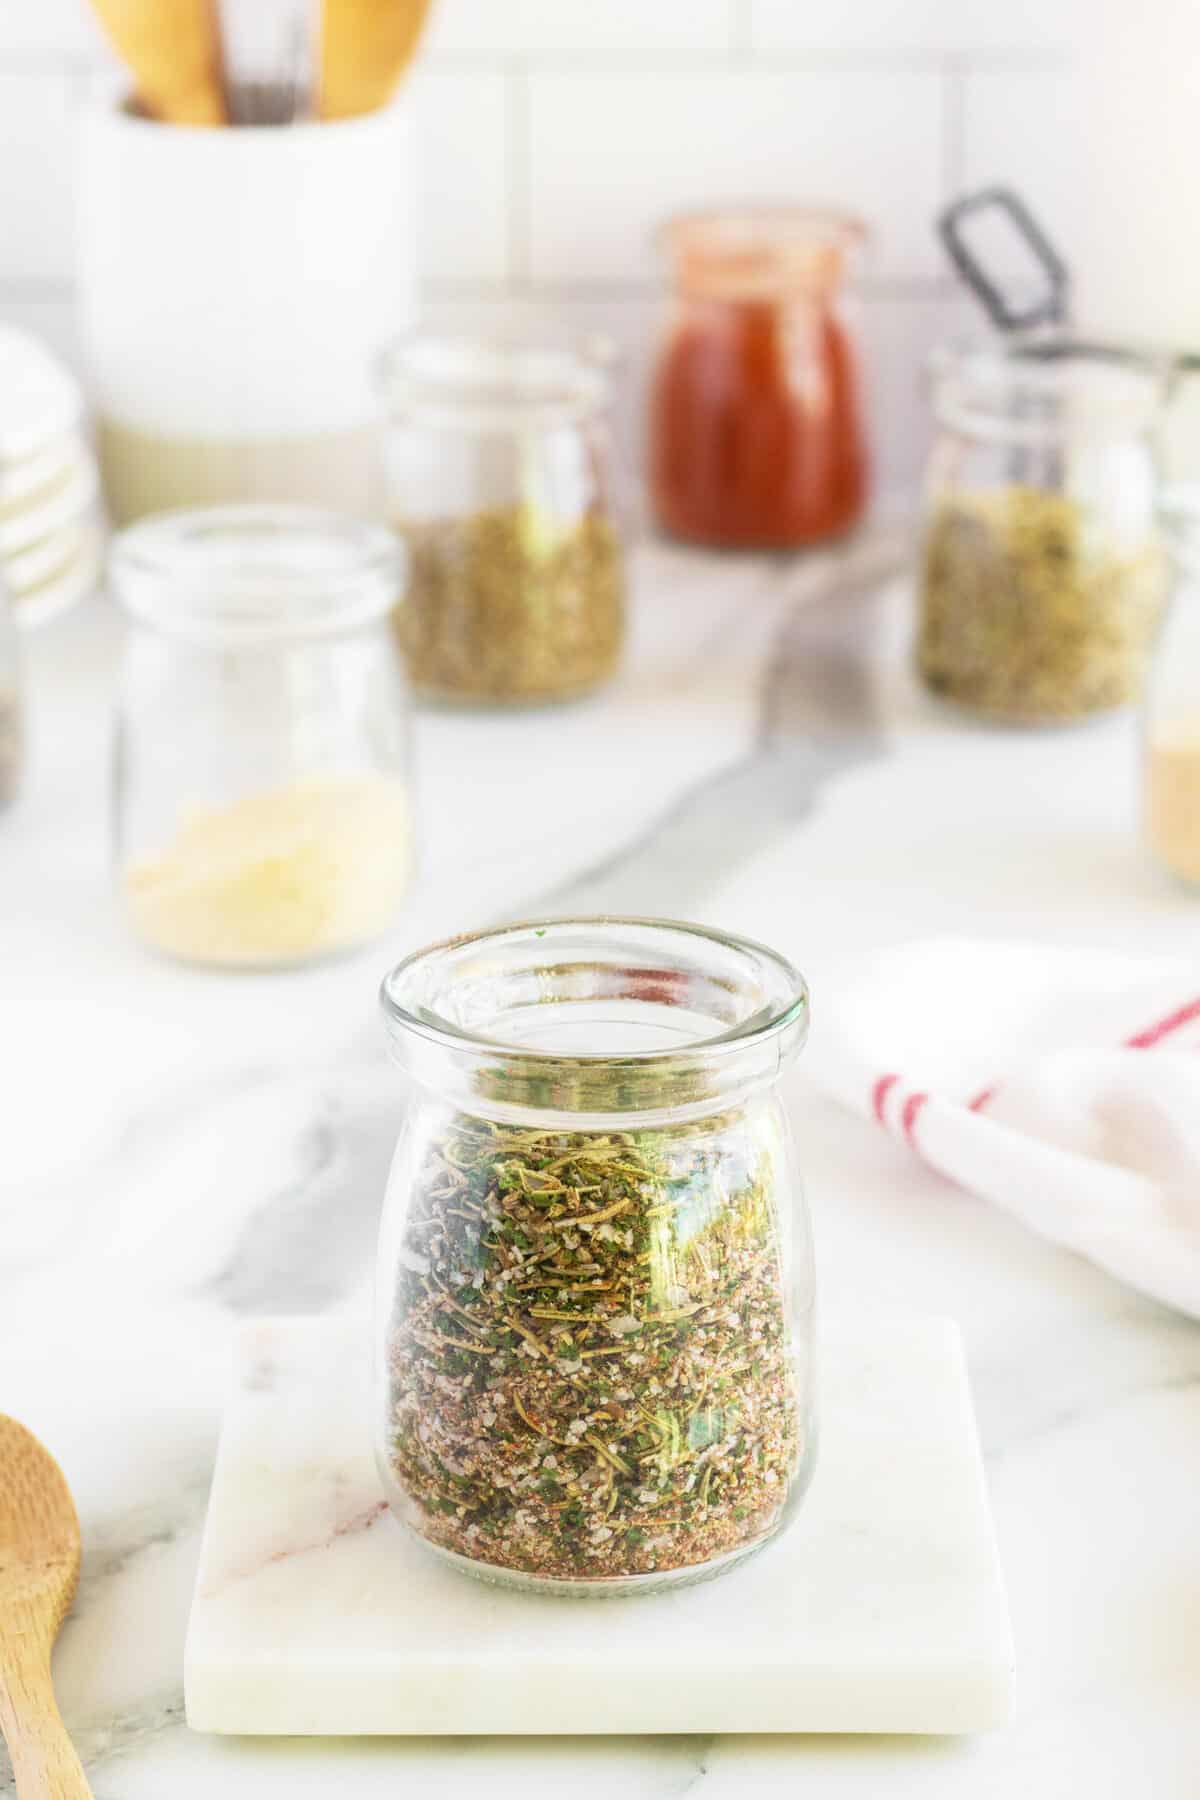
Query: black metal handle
[[1048, 308]]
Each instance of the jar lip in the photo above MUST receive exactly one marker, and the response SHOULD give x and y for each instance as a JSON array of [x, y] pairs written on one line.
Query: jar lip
[[759, 249], [1048, 388], [465, 381], [229, 576], [784, 1008]]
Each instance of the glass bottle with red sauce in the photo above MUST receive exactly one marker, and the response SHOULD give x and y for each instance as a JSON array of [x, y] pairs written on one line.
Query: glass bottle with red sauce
[[755, 430]]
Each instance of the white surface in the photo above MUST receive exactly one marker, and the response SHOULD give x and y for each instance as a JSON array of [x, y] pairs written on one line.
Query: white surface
[[881, 1609], [240, 284], [184, 1150]]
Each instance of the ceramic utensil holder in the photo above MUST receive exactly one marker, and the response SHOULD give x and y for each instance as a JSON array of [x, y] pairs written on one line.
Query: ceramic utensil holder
[[236, 286]]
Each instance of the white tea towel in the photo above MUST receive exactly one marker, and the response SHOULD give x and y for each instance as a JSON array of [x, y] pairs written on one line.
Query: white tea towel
[[1063, 1085]]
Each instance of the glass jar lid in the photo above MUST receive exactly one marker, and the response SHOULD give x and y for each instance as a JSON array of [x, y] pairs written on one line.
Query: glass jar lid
[[229, 576], [467, 382], [1049, 390], [759, 252], [612, 1017]]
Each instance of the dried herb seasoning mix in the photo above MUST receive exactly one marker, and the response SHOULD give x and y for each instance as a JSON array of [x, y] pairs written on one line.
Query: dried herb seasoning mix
[[511, 605], [1023, 615], [594, 1350]]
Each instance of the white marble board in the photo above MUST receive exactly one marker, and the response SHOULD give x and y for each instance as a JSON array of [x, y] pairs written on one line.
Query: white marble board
[[881, 1610]]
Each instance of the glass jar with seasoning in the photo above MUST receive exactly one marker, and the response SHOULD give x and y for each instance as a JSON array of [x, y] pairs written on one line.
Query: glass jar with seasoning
[[756, 436], [262, 812], [498, 464], [595, 1301], [1042, 575], [1171, 775]]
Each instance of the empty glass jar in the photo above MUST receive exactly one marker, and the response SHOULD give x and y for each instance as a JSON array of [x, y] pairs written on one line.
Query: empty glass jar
[[1042, 574], [756, 436], [498, 466], [261, 795], [595, 1303]]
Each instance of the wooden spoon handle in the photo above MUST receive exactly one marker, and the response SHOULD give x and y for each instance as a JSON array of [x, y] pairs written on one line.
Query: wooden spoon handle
[[44, 1762]]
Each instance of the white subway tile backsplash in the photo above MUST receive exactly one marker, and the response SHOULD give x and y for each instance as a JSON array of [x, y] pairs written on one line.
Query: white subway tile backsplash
[[523, 26], [611, 153], [49, 26], [37, 155], [1020, 129], [553, 134], [883, 26], [463, 173]]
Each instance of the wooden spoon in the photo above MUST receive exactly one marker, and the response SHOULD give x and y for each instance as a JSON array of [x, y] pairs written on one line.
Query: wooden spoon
[[173, 52], [39, 1567], [365, 47]]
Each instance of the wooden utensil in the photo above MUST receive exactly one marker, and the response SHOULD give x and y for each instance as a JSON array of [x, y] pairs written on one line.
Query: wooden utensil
[[173, 52], [365, 47], [39, 1568]]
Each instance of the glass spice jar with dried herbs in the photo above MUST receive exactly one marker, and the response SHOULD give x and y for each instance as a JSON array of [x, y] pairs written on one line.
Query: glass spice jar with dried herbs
[[1042, 577], [594, 1338], [498, 470]]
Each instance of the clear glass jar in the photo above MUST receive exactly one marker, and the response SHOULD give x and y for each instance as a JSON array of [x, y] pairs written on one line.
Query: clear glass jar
[[261, 795], [1171, 783], [595, 1304], [756, 435], [498, 467], [1042, 574]]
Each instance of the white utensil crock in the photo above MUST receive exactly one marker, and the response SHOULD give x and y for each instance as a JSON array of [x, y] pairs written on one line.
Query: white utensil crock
[[236, 286]]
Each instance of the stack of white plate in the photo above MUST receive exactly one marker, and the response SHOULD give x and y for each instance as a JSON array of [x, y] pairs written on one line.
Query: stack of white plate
[[51, 538]]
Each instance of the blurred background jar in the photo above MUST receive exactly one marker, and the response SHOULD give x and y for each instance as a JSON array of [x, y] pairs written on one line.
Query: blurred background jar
[[1042, 576], [1172, 734], [499, 473], [261, 793], [756, 435]]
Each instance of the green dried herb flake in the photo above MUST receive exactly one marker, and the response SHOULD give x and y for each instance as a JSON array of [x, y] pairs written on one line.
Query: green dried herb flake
[[651, 1422]]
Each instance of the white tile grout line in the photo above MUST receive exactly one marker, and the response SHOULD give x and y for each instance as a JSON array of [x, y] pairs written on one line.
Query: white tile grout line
[[517, 176], [740, 57], [954, 128]]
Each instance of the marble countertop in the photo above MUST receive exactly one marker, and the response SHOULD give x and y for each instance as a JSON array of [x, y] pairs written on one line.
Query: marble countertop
[[184, 1151]]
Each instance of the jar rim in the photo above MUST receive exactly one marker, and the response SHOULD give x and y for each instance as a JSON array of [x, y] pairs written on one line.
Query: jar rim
[[759, 249], [779, 1015], [1048, 389], [497, 382], [246, 575]]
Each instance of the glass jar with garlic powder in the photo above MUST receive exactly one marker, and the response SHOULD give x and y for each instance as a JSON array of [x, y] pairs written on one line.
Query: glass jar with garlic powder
[[261, 802], [1171, 750], [1042, 575]]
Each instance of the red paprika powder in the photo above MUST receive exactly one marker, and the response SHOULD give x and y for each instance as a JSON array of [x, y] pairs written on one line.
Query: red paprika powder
[[755, 431]]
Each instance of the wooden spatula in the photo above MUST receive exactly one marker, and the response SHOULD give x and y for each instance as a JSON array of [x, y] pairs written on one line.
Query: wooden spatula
[[39, 1567], [365, 47], [172, 48]]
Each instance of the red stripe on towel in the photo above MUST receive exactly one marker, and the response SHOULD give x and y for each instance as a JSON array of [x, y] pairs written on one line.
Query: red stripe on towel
[[879, 1094], [983, 1098], [910, 1115], [1154, 1034]]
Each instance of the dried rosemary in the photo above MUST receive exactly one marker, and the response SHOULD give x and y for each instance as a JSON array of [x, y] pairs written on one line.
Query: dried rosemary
[[511, 605], [590, 1364], [1023, 617]]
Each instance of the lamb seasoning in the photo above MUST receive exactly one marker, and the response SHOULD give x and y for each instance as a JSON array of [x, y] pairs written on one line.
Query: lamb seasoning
[[590, 1373]]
